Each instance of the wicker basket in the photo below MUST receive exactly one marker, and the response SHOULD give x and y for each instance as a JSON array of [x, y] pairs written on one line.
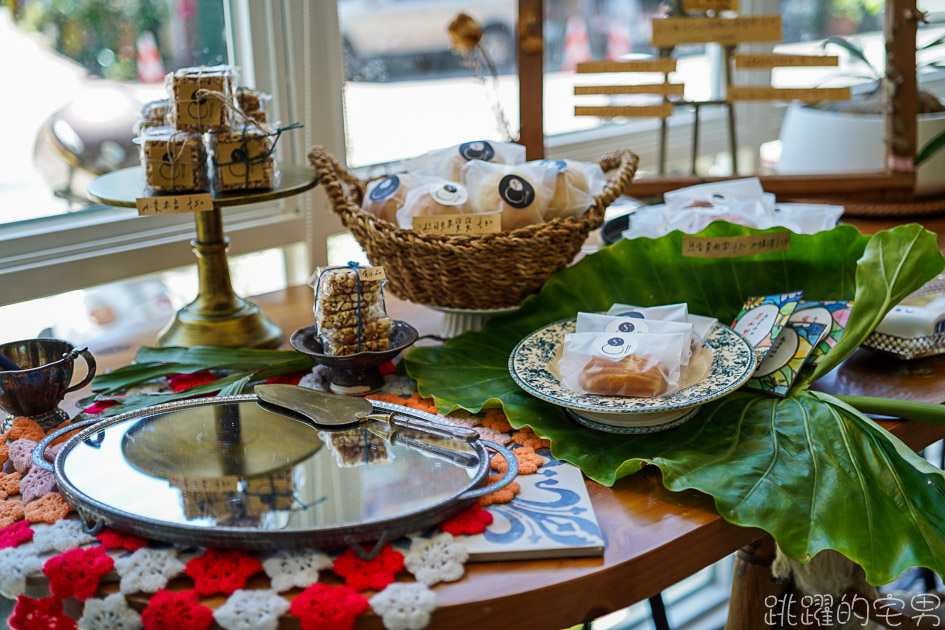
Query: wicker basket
[[474, 272]]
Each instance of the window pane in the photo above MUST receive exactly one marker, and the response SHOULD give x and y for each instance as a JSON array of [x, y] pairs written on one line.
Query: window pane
[[407, 93], [83, 68]]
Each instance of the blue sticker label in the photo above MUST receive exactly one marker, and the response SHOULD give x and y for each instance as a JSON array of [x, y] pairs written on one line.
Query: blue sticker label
[[634, 314], [385, 188], [558, 165], [479, 150]]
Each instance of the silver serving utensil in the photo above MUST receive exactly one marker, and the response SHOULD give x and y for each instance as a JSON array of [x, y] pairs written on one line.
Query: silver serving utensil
[[335, 411]]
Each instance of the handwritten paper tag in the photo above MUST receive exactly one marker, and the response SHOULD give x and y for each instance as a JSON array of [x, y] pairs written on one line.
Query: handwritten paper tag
[[457, 224], [735, 246], [690, 30], [768, 61], [174, 204], [768, 93], [372, 273]]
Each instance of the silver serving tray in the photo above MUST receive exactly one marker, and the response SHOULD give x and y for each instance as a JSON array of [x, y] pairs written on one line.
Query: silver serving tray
[[226, 472]]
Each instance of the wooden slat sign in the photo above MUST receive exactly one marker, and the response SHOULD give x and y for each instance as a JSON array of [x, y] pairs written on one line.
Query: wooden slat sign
[[665, 89], [702, 6], [759, 28], [768, 61], [768, 93], [666, 64], [663, 110]]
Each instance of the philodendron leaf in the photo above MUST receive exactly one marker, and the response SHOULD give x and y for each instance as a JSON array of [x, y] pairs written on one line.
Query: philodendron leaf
[[895, 263]]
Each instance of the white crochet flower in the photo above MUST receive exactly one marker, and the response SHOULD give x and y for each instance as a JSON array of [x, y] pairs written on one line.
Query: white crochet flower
[[252, 610], [404, 606], [16, 564], [437, 559], [294, 568], [113, 613], [147, 570], [62, 536]]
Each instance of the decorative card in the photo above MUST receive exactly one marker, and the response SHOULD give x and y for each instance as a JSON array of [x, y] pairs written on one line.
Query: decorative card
[[762, 319], [832, 315], [780, 368], [551, 517]]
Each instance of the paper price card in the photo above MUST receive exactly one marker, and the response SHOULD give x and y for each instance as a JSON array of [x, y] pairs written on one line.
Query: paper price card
[[710, 5], [664, 110], [768, 61], [767, 93], [174, 204], [735, 246], [372, 273], [458, 224], [665, 64], [666, 89], [760, 28]]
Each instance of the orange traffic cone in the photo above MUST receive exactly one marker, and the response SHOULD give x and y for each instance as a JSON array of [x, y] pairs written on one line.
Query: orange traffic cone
[[150, 66], [577, 44]]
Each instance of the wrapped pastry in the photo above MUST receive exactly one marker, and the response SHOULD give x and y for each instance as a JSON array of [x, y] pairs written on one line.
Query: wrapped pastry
[[576, 185], [384, 197], [201, 97], [642, 365], [520, 193], [447, 163], [242, 158], [153, 114], [439, 197], [251, 103], [702, 326], [595, 322], [173, 161], [349, 312]]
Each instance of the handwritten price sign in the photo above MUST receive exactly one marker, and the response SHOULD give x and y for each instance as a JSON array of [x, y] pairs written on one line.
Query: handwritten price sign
[[458, 224], [174, 204], [735, 246], [372, 273]]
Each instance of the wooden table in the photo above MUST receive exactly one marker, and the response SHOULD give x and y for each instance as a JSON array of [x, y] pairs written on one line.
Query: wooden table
[[654, 537]]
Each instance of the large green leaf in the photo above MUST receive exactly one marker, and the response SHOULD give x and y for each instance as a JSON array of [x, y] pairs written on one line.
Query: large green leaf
[[808, 469]]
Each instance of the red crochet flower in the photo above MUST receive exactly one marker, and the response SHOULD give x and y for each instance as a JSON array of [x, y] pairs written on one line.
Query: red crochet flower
[[472, 520], [288, 379], [377, 573], [387, 368], [76, 573], [39, 614], [321, 607], [99, 406], [168, 610], [13, 535], [221, 570], [180, 382], [113, 539]]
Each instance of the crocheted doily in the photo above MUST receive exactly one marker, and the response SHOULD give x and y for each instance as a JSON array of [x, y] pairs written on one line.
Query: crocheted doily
[[252, 610], [60, 536], [15, 565], [437, 559], [111, 613], [294, 568], [404, 606], [148, 570]]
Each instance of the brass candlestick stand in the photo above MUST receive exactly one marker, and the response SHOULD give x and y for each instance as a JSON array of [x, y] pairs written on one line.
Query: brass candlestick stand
[[217, 316]]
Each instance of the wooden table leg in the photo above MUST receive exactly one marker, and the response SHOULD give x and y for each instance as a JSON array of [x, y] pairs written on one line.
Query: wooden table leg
[[753, 586]]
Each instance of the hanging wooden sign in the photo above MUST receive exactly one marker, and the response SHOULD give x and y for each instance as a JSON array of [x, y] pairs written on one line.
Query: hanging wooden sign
[[768, 61], [637, 65], [665, 89], [701, 6], [663, 110], [758, 28], [768, 93]]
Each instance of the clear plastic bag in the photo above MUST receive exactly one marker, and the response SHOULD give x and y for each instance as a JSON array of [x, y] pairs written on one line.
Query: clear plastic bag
[[576, 185], [521, 193], [173, 161], [431, 199], [349, 312], [701, 325], [153, 114], [597, 323], [242, 158], [384, 197], [447, 163], [252, 103], [643, 365], [202, 97]]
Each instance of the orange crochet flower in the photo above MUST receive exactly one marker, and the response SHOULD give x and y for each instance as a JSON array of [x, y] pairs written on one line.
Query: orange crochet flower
[[49, 508], [62, 438], [10, 482], [504, 495], [388, 398], [25, 428], [4, 454], [528, 461], [495, 419], [10, 512], [527, 437], [421, 404]]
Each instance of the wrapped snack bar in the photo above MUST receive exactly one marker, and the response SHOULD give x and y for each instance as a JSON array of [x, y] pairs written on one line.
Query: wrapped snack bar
[[153, 114], [349, 311], [200, 97], [644, 365], [173, 161], [251, 103], [242, 158]]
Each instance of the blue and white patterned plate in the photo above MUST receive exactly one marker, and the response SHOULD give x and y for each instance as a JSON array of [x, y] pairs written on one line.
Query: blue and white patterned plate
[[660, 421], [733, 363]]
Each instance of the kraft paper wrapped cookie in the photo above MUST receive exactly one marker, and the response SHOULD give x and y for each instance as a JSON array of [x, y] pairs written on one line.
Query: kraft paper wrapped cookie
[[431, 199], [643, 365], [597, 323], [520, 192], [447, 163], [576, 185], [242, 158], [173, 161], [349, 310], [200, 97]]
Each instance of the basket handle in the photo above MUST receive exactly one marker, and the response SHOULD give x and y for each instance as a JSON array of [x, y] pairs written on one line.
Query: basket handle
[[331, 175], [625, 162]]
